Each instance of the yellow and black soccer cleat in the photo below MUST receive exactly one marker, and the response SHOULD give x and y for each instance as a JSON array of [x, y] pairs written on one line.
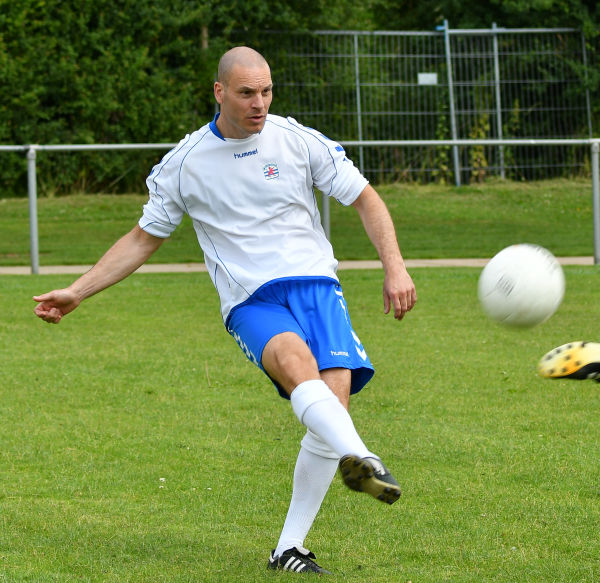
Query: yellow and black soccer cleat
[[575, 360]]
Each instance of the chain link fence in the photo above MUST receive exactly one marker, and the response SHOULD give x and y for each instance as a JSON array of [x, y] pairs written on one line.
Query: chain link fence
[[448, 84]]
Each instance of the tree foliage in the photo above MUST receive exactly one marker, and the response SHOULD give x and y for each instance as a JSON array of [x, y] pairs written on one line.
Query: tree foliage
[[99, 71], [119, 71], [427, 14]]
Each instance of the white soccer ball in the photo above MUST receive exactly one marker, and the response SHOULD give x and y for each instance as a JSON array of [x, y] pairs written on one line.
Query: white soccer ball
[[521, 286]]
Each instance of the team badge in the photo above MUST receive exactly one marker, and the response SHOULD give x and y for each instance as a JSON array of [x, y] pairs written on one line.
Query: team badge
[[271, 171]]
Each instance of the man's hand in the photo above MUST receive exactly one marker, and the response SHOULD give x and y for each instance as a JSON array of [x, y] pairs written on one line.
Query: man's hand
[[56, 304], [121, 260], [399, 293]]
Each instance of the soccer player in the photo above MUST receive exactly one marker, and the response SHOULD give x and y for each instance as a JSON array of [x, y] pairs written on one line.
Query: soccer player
[[246, 180]]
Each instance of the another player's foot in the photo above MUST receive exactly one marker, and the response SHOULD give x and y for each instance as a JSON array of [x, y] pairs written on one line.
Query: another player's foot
[[576, 360], [296, 560], [368, 474]]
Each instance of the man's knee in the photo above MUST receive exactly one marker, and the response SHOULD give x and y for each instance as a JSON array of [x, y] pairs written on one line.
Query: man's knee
[[339, 381], [287, 359]]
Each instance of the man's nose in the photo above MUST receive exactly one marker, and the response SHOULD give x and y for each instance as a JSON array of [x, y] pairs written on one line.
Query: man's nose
[[258, 102]]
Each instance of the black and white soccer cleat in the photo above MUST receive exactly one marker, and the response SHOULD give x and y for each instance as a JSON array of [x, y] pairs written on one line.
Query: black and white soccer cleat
[[297, 561]]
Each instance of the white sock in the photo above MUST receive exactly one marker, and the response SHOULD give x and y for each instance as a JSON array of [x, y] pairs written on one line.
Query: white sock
[[312, 476], [320, 410]]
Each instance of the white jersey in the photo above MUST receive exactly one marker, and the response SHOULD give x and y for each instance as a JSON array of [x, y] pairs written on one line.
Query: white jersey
[[252, 202]]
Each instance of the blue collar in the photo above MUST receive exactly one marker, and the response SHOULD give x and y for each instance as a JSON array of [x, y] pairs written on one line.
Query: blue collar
[[213, 127]]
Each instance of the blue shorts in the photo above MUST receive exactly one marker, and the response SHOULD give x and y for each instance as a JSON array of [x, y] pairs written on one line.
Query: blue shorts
[[312, 307]]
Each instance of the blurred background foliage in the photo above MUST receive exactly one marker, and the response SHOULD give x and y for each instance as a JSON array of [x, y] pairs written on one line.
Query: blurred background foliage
[[125, 71]]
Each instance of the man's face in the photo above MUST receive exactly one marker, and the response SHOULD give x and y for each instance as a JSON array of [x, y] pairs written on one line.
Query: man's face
[[245, 98]]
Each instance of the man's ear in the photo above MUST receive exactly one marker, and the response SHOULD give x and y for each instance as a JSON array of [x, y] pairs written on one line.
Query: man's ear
[[219, 90]]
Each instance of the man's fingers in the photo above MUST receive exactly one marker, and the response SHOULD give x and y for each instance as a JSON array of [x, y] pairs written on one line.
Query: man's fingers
[[393, 301], [54, 316], [411, 300], [400, 307], [48, 314], [402, 302], [42, 298], [386, 304]]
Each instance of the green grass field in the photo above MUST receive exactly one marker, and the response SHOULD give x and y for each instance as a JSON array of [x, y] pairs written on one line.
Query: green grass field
[[139, 445], [432, 221]]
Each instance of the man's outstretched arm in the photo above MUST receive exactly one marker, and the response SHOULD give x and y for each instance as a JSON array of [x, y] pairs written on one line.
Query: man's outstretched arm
[[122, 259], [398, 288]]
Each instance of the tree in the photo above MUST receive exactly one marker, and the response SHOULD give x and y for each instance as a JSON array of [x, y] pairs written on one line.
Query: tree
[[427, 14], [117, 71]]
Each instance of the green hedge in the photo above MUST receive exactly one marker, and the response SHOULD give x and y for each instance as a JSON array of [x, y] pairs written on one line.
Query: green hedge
[[99, 71], [121, 71]]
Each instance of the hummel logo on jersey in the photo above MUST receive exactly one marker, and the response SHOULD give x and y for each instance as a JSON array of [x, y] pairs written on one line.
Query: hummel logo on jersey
[[271, 171], [245, 154]]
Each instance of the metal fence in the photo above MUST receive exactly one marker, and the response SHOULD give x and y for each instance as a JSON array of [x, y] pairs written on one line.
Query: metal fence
[[452, 106], [448, 84], [592, 144]]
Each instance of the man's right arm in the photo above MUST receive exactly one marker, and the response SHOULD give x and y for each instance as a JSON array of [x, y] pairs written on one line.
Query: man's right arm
[[121, 260]]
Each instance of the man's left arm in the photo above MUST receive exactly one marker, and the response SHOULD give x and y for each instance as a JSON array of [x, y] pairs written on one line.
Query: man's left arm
[[398, 287]]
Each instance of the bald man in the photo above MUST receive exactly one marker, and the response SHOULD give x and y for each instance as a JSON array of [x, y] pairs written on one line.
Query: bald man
[[247, 181]]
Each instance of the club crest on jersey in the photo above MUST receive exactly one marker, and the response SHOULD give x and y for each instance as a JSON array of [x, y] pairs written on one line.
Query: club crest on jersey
[[271, 171]]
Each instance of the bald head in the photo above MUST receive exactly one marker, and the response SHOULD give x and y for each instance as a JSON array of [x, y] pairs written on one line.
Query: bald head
[[242, 56], [244, 92]]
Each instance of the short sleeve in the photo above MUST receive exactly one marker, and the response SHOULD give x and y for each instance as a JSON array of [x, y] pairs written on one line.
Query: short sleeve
[[332, 171], [162, 214]]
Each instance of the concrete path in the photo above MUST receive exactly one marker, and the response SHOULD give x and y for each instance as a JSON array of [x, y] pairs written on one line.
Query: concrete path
[[200, 267]]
